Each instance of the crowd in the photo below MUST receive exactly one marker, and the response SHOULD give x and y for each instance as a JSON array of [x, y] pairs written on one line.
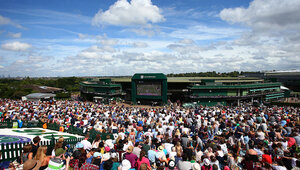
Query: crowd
[[206, 138]]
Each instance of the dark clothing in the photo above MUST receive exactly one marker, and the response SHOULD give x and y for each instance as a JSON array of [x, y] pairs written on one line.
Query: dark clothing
[[34, 149]]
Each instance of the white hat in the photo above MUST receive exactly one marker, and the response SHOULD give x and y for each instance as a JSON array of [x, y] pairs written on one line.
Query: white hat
[[125, 165], [196, 166], [106, 156], [206, 162], [113, 155]]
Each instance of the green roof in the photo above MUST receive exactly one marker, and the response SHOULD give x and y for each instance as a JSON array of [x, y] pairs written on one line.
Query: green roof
[[95, 84], [195, 79], [149, 76], [258, 85]]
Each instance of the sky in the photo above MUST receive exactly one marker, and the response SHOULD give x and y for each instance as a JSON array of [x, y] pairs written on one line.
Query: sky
[[123, 37]]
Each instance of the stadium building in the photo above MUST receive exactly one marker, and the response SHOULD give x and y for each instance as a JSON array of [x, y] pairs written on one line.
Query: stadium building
[[157, 89]]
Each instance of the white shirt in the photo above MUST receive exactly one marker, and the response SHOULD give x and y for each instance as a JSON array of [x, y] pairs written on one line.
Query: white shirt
[[86, 145]]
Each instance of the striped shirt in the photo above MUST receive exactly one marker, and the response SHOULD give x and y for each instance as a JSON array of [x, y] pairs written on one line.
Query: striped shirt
[[56, 164]]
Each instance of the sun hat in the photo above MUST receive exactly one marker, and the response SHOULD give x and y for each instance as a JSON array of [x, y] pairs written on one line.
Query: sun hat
[[59, 151], [160, 148], [206, 162], [129, 149], [32, 164], [125, 165], [114, 155]]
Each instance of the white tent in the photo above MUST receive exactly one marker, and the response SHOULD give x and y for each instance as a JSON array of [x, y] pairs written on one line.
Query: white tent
[[39, 96]]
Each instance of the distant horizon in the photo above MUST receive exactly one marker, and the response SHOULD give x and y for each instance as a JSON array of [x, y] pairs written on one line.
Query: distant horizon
[[122, 37], [96, 76]]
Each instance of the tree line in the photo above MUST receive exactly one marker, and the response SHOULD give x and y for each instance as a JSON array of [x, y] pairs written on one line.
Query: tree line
[[16, 88]]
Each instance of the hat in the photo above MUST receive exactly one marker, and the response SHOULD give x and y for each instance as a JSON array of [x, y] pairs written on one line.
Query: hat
[[59, 151], [32, 164], [171, 164], [160, 148], [97, 154], [125, 165], [107, 149], [106, 156], [114, 155], [79, 145], [266, 159], [196, 166], [129, 149], [206, 162]]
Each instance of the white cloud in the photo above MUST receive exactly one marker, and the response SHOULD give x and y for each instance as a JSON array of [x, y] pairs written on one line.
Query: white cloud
[[140, 45], [266, 14], [7, 21], [82, 36], [15, 35], [145, 31], [203, 32], [124, 13], [16, 46], [187, 41]]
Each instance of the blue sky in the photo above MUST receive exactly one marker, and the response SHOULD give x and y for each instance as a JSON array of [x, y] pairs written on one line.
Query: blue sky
[[110, 37]]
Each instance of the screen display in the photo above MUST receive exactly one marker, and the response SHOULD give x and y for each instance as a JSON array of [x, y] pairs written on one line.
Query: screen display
[[148, 88]]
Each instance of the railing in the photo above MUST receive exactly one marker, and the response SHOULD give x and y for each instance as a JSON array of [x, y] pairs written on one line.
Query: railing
[[11, 152]]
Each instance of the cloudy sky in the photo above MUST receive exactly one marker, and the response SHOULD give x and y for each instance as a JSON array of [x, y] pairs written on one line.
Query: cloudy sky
[[123, 37]]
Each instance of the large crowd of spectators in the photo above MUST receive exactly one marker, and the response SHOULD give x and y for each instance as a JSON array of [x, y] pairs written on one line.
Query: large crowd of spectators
[[206, 138]]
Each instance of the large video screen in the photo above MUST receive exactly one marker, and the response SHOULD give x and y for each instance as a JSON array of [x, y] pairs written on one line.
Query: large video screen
[[148, 88]]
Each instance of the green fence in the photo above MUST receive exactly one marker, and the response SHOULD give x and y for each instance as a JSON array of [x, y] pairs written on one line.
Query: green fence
[[11, 152]]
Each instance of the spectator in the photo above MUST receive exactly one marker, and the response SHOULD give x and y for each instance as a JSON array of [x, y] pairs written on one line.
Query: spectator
[[96, 141], [26, 154], [130, 156], [57, 163], [142, 159], [35, 145], [42, 157], [86, 144]]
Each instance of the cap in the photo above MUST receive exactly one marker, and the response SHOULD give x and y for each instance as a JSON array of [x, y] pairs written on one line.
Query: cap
[[59, 151]]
